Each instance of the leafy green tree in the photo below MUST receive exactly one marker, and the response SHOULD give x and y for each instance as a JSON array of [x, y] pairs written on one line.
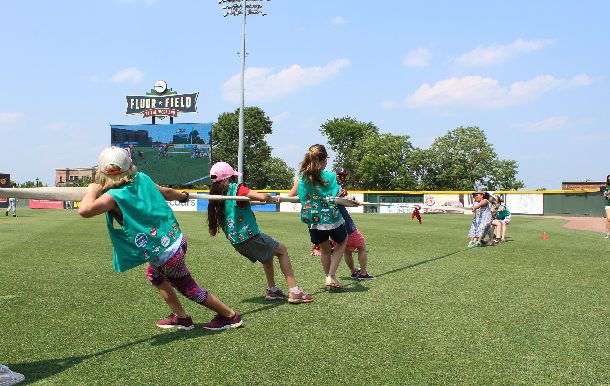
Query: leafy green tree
[[257, 153], [462, 159], [345, 137], [278, 174], [385, 163]]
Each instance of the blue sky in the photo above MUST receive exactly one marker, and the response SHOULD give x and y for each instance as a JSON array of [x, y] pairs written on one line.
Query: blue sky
[[534, 75]]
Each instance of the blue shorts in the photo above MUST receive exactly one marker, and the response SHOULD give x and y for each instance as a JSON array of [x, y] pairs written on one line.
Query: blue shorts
[[319, 236]]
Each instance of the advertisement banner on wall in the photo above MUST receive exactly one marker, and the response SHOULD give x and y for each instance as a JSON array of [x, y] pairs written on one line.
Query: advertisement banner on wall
[[399, 207], [292, 207], [46, 204], [177, 206], [202, 205], [5, 182], [525, 203], [433, 201]]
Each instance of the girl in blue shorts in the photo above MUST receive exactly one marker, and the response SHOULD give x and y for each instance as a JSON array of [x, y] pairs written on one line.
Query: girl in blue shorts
[[317, 189]]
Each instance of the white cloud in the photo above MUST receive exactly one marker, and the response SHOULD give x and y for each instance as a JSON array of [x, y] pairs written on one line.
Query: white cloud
[[418, 57], [338, 20], [280, 117], [145, 2], [499, 53], [580, 80], [131, 74], [262, 83], [389, 104], [10, 118], [548, 124], [484, 92]]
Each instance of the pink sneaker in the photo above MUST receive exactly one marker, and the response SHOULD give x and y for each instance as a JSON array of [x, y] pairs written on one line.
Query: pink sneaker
[[174, 322], [223, 323], [299, 298]]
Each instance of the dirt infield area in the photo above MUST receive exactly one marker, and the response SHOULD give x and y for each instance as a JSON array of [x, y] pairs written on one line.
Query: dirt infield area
[[593, 224]]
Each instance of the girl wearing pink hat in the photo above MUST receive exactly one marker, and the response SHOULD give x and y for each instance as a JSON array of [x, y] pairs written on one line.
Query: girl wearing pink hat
[[237, 221]]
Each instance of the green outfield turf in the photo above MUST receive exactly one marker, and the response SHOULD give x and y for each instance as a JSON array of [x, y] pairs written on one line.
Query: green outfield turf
[[177, 169], [525, 312]]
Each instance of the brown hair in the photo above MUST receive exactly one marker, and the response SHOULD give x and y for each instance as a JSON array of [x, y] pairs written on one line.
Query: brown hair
[[216, 208], [109, 181], [313, 163]]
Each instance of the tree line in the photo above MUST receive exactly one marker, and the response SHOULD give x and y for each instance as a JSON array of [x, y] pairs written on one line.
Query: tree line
[[462, 159]]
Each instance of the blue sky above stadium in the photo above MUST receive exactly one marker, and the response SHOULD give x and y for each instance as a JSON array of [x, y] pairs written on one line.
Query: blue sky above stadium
[[532, 75]]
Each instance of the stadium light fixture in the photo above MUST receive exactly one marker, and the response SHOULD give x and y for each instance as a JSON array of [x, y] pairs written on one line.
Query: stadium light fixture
[[243, 8]]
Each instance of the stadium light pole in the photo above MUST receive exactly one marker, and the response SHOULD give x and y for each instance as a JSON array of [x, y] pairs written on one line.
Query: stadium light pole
[[236, 8]]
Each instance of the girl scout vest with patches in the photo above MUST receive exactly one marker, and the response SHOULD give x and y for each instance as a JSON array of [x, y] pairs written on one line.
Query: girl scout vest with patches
[[240, 223], [149, 226], [318, 201], [504, 213]]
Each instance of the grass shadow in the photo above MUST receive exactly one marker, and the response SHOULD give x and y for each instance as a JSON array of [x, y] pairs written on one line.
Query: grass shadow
[[40, 370], [420, 263]]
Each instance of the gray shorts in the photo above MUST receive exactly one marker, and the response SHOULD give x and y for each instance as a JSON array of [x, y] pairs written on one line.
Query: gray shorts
[[259, 248]]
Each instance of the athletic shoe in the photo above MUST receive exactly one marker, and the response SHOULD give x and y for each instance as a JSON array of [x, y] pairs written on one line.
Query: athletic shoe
[[607, 236], [366, 276], [174, 322], [223, 323], [9, 377], [355, 273], [6, 214], [300, 297], [315, 250], [275, 295], [470, 244]]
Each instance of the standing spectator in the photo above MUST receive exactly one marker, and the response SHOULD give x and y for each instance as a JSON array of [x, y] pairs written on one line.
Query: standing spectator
[[607, 207], [12, 205], [481, 221]]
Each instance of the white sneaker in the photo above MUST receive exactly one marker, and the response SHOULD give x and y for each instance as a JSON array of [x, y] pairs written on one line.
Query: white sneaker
[[607, 236], [8, 377]]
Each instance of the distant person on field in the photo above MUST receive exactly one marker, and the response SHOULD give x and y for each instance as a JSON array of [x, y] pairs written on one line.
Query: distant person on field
[[237, 221], [144, 230], [12, 205], [317, 189], [607, 207], [481, 221], [501, 220]]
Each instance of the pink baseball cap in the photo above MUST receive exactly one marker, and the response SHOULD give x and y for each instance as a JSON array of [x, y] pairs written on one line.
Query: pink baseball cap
[[221, 171], [114, 160]]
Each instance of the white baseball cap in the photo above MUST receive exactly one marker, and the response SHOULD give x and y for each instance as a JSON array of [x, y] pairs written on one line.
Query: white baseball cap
[[114, 160]]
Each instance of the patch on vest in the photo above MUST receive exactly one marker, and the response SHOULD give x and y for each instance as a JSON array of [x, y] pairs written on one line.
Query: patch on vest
[[165, 241], [141, 240]]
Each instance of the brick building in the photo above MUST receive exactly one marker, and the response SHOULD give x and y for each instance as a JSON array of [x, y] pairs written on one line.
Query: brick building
[[68, 176]]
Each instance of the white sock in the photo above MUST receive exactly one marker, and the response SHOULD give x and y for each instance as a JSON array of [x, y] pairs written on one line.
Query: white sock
[[295, 290], [273, 289]]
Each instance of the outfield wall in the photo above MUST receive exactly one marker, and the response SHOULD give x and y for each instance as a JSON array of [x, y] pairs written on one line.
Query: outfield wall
[[557, 203]]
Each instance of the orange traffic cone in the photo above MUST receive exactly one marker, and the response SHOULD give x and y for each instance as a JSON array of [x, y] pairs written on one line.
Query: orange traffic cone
[[544, 236]]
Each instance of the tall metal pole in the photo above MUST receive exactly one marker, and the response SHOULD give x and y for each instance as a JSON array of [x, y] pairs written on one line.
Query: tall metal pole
[[234, 8], [240, 149]]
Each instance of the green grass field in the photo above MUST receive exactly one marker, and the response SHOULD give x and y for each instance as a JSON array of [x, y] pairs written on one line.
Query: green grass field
[[525, 312], [178, 168]]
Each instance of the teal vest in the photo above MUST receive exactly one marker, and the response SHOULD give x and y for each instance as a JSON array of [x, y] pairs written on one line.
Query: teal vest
[[503, 213], [317, 201], [149, 225], [240, 223]]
